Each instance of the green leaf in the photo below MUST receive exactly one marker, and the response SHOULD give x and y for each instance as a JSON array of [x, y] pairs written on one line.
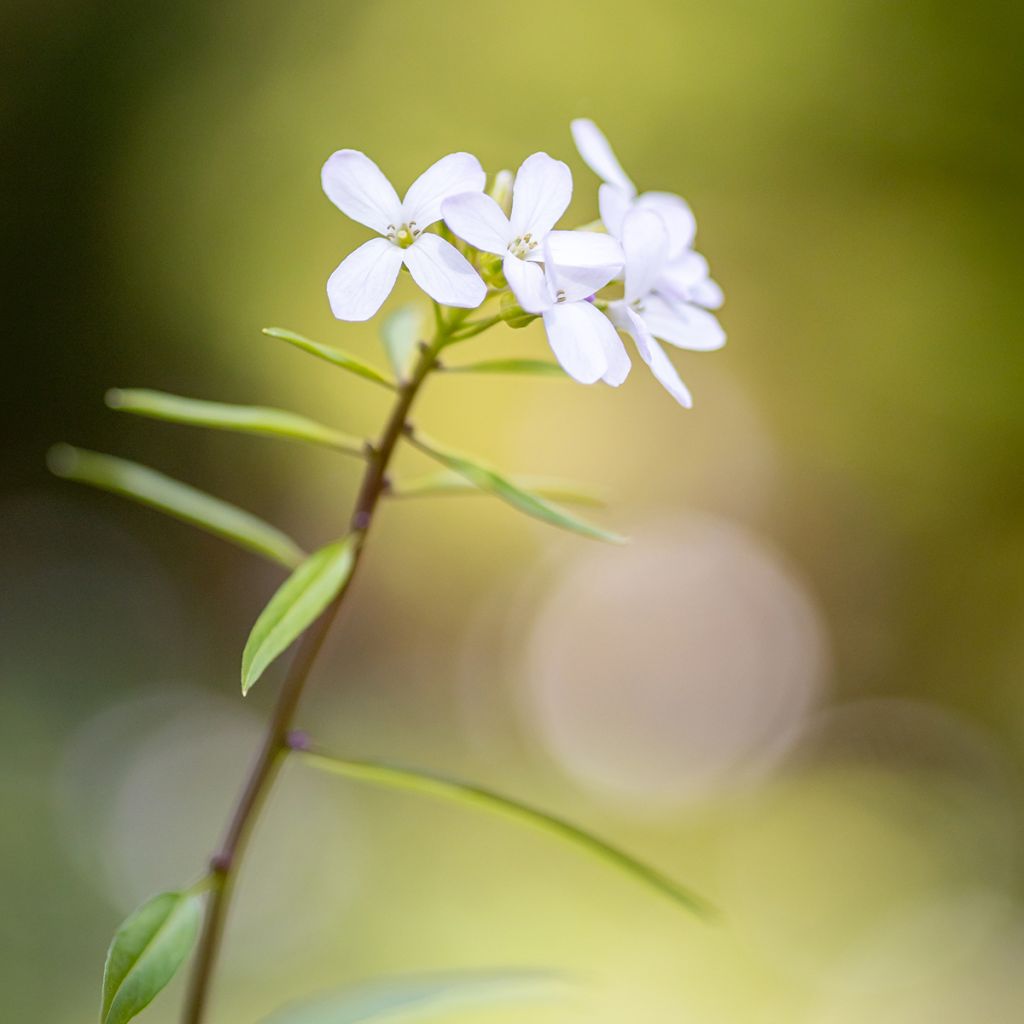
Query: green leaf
[[447, 481], [494, 482], [335, 356], [246, 419], [429, 784], [146, 952], [297, 603], [414, 997], [148, 487], [400, 331], [533, 367]]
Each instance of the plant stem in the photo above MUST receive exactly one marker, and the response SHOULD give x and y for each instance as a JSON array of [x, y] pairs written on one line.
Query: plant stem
[[225, 864]]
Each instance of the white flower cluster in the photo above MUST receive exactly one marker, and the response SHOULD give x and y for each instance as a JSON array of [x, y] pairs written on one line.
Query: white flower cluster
[[643, 244]]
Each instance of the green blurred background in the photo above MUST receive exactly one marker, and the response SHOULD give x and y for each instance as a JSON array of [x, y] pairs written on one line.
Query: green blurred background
[[798, 690]]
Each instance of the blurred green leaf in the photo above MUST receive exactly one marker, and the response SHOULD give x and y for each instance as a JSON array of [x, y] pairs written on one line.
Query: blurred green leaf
[[335, 356], [296, 604], [447, 481], [148, 487], [469, 794], [418, 996], [494, 482], [533, 367], [400, 331], [147, 950], [246, 419]]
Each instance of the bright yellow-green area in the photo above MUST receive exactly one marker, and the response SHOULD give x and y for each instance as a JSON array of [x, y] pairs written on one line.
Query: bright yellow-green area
[[799, 691]]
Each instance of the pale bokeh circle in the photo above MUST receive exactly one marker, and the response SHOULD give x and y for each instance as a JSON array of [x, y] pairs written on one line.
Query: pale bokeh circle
[[658, 672]]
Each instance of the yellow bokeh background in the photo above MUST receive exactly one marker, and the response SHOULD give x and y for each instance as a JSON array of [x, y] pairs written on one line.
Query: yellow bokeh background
[[799, 689]]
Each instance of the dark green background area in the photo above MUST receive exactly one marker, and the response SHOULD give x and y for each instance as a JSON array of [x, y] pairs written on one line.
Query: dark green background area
[[856, 169]]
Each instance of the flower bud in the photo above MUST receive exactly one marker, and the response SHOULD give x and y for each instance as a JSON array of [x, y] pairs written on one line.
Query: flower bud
[[501, 190], [513, 314]]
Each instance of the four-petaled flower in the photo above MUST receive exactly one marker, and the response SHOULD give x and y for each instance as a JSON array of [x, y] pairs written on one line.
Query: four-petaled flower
[[540, 195], [365, 278], [618, 195], [582, 338], [646, 314]]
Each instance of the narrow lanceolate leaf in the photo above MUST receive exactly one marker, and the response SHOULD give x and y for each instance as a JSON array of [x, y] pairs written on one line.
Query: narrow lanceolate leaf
[[471, 795], [401, 331], [148, 487], [416, 997], [297, 603], [146, 952], [245, 419], [448, 482], [496, 483], [532, 367], [335, 356]]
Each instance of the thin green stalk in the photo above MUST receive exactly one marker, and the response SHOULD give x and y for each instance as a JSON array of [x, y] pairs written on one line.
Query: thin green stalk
[[225, 864]]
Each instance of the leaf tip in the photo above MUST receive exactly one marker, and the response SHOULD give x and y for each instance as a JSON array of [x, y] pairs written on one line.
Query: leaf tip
[[247, 680], [114, 398], [62, 459]]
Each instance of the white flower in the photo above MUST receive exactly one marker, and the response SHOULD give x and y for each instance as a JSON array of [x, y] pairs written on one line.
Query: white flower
[[583, 339], [687, 279], [540, 195], [618, 195], [359, 286], [645, 312]]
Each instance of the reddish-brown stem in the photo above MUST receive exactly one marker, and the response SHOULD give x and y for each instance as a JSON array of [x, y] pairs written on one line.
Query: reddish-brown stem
[[224, 864]]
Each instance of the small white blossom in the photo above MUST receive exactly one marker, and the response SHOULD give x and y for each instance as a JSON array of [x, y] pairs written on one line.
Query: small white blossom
[[646, 313], [540, 194], [365, 278], [582, 338], [618, 195]]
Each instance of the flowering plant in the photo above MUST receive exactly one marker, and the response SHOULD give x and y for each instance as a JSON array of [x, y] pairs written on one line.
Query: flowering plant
[[497, 252]]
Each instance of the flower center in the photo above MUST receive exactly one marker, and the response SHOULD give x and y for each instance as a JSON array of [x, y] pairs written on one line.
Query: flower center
[[523, 245], [404, 235]]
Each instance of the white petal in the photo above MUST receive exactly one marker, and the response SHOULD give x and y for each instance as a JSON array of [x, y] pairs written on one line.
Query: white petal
[[662, 368], [645, 244], [707, 293], [478, 219], [677, 215], [625, 319], [575, 335], [682, 324], [618, 358], [364, 279], [654, 356], [528, 284], [598, 156], [540, 195], [450, 176], [614, 204], [444, 273], [580, 263], [357, 187]]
